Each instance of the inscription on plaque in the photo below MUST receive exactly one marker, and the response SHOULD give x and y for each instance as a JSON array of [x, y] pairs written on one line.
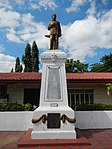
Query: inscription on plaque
[[53, 120], [54, 89]]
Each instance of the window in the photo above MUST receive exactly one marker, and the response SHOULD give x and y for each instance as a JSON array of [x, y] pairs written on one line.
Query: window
[[80, 96], [3, 91]]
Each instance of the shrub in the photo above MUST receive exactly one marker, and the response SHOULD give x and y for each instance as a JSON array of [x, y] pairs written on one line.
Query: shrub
[[16, 107], [28, 107], [93, 107], [11, 107]]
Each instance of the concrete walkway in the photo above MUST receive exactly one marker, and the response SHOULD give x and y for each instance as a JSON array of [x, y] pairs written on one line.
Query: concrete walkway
[[99, 139]]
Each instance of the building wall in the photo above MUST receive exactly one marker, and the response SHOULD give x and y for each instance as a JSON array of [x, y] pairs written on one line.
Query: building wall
[[16, 91], [101, 96], [100, 91]]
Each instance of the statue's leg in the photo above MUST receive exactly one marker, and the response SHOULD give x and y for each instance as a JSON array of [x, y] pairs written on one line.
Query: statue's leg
[[51, 42], [56, 42]]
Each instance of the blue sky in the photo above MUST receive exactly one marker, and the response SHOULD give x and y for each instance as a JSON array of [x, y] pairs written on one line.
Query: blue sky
[[86, 28]]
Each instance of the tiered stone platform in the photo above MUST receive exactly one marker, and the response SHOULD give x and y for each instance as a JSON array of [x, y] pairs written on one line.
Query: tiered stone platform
[[26, 141]]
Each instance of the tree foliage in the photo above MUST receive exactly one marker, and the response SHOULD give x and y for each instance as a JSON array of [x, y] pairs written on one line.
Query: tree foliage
[[31, 58], [107, 62], [76, 66], [12, 70], [69, 65], [109, 88], [35, 57], [104, 66], [26, 58], [80, 67], [97, 67], [18, 66]]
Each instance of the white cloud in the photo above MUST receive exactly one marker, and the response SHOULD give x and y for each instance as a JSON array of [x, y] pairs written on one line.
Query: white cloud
[[20, 2], [83, 36], [33, 31], [6, 63], [22, 28], [12, 36], [5, 4], [76, 5], [92, 9], [35, 4], [9, 18], [105, 1], [29, 32], [46, 4], [1, 48]]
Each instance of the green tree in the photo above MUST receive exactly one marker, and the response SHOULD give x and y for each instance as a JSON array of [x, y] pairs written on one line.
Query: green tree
[[76, 66], [69, 65], [109, 89], [104, 66], [80, 67], [35, 57], [97, 67], [18, 66], [107, 62], [12, 70], [26, 58]]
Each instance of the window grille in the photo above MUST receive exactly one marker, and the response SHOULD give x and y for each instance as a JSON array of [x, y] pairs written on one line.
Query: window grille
[[80, 96]]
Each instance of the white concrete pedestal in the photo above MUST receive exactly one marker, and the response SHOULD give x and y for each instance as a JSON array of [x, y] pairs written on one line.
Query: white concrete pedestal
[[53, 100]]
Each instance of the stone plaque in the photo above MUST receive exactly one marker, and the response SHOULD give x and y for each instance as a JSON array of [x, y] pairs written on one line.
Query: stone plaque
[[53, 120], [53, 88], [54, 104]]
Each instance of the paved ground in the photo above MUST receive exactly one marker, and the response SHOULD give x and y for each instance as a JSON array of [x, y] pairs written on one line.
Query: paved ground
[[99, 139], [9, 140]]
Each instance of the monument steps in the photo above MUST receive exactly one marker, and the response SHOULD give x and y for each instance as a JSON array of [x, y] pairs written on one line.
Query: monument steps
[[27, 142]]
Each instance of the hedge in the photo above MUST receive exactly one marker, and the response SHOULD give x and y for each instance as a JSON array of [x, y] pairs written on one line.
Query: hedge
[[15, 106], [93, 107]]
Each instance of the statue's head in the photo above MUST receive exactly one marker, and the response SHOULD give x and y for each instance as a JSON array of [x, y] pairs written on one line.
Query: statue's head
[[53, 16]]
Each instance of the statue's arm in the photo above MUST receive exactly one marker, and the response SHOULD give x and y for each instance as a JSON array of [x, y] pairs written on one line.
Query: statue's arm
[[50, 25]]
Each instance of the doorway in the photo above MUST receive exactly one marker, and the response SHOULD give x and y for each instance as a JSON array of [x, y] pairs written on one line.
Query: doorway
[[32, 96]]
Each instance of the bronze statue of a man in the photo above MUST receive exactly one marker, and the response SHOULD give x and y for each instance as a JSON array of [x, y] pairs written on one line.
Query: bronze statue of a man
[[55, 32]]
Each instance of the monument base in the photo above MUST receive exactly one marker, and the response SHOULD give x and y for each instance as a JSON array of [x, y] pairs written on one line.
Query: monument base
[[53, 119], [27, 142], [54, 135], [56, 129]]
